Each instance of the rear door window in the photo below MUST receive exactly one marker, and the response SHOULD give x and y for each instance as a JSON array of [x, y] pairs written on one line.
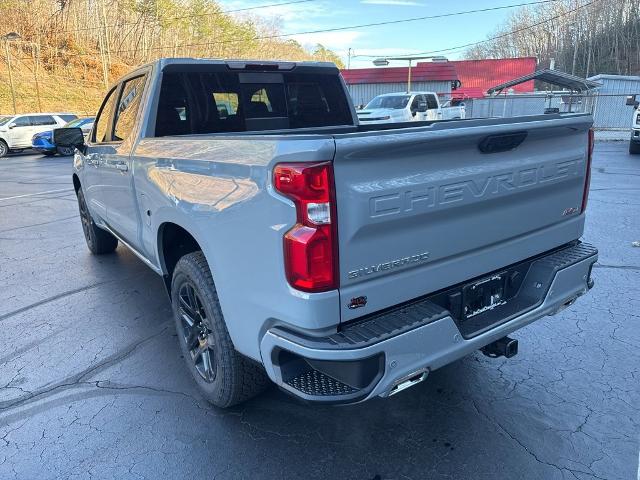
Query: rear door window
[[38, 120], [68, 118], [193, 102], [432, 102]]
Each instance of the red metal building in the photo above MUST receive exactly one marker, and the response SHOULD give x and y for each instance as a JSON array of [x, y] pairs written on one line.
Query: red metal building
[[475, 76], [422, 72]]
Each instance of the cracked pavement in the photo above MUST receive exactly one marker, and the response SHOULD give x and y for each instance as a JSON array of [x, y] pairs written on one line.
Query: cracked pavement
[[92, 384]]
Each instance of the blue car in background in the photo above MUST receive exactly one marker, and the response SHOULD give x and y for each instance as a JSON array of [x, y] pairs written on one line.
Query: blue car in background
[[43, 141]]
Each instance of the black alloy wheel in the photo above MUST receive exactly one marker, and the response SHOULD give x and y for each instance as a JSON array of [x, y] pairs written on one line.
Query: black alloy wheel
[[99, 241], [196, 332], [66, 151]]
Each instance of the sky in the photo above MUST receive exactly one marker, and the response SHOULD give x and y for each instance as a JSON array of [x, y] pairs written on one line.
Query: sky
[[387, 40]]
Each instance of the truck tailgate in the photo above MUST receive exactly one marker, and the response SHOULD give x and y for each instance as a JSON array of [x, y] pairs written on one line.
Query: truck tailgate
[[421, 209]]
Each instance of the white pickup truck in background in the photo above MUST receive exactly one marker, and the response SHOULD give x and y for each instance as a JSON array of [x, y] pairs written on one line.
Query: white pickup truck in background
[[634, 141], [408, 107]]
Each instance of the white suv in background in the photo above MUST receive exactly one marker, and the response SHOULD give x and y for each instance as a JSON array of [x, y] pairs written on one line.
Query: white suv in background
[[16, 131]]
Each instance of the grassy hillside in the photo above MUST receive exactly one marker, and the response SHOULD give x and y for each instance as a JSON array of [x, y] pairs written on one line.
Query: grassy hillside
[[82, 46], [76, 87]]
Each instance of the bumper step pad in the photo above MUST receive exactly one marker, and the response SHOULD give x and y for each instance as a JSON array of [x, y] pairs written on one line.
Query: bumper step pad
[[315, 383]]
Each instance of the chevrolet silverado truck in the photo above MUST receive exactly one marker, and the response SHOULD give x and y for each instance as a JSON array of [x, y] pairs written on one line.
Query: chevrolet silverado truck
[[341, 261], [409, 107]]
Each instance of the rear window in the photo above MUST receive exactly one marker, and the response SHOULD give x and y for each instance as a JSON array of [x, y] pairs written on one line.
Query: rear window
[[67, 118], [214, 102]]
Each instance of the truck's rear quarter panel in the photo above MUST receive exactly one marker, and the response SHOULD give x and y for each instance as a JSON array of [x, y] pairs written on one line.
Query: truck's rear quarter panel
[[431, 196], [219, 190]]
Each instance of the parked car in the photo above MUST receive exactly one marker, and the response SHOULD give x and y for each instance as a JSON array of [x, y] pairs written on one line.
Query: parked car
[[408, 107], [341, 261], [16, 131], [634, 141], [43, 141]]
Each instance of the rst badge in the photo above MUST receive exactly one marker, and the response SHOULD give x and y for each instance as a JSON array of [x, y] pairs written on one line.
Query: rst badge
[[357, 302], [569, 211]]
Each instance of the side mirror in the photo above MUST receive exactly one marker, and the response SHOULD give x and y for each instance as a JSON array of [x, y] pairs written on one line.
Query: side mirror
[[12, 125], [631, 101], [68, 137]]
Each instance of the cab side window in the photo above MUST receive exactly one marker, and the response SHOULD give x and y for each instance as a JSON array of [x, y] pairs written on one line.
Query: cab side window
[[128, 105], [432, 102], [101, 131], [417, 100]]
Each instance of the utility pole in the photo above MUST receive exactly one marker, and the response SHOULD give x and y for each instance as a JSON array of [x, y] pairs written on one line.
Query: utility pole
[[409, 78], [349, 59], [36, 63], [7, 38]]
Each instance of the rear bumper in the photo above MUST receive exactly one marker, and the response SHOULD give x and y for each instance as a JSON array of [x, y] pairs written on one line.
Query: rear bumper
[[371, 358]]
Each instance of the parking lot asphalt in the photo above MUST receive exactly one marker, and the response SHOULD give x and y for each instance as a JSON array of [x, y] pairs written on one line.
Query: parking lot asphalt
[[93, 386]]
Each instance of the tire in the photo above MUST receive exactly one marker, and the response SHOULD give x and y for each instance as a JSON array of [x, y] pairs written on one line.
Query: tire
[[66, 151], [98, 240], [634, 148], [4, 149], [224, 376]]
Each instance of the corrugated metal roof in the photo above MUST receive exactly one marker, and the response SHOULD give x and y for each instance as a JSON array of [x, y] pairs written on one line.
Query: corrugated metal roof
[[422, 72]]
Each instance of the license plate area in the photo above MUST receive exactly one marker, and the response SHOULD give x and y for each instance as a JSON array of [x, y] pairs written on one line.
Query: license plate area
[[484, 295]]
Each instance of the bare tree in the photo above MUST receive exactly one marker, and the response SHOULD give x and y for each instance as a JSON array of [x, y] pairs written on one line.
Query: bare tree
[[583, 36]]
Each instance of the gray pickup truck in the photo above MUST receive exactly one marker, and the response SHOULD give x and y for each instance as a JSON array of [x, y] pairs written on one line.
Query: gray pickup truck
[[340, 261]]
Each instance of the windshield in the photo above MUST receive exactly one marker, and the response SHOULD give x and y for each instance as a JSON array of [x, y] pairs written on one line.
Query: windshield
[[389, 101], [4, 120], [78, 122]]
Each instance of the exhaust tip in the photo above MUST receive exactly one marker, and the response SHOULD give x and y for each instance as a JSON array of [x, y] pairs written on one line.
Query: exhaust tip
[[409, 381], [503, 347]]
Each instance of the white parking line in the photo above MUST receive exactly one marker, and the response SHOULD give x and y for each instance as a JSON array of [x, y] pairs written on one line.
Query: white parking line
[[638, 464], [38, 193]]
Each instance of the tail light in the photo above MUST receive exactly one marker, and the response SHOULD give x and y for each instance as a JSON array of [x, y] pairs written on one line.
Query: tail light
[[311, 246], [587, 176]]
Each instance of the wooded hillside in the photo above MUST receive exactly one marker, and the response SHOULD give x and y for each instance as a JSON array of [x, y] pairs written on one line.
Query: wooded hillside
[[585, 37], [70, 50]]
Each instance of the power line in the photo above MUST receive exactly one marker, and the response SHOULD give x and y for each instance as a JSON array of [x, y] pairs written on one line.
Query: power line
[[328, 30], [507, 34], [182, 17]]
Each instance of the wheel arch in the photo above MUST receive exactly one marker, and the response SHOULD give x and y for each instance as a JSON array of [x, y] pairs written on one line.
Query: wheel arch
[[173, 242]]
